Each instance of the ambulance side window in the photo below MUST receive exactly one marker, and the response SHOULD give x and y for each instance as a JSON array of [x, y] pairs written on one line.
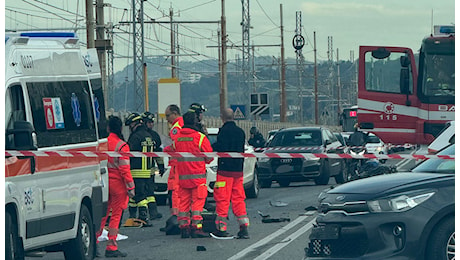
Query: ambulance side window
[[15, 110], [62, 112]]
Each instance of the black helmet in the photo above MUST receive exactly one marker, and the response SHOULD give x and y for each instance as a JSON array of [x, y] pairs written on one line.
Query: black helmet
[[133, 117], [148, 117], [253, 130], [197, 108]]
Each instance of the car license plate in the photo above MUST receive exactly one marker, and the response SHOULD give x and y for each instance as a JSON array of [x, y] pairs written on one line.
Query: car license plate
[[325, 232]]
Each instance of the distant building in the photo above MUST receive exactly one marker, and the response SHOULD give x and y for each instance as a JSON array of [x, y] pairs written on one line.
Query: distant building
[[191, 78]]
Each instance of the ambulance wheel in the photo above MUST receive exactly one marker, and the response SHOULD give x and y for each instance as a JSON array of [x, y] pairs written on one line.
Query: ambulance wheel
[[83, 246], [13, 247]]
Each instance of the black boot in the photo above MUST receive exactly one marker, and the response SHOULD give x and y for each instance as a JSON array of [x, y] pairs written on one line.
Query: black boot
[[198, 233], [132, 212], [115, 253], [243, 233], [153, 211], [143, 215], [185, 232]]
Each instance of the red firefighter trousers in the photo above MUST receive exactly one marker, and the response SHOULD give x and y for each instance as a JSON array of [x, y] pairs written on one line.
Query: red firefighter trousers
[[173, 186], [226, 190], [118, 201]]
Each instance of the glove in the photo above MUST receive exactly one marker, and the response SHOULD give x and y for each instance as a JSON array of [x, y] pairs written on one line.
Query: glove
[[161, 169], [131, 193]]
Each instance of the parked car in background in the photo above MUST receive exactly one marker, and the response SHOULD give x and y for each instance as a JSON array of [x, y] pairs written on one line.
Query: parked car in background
[[302, 140], [375, 145], [445, 137], [399, 216], [250, 177]]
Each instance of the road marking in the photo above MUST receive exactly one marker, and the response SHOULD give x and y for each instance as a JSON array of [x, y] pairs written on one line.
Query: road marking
[[270, 252], [402, 163], [269, 238]]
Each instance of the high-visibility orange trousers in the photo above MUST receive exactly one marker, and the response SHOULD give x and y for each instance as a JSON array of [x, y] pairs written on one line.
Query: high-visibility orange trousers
[[226, 190], [173, 186], [191, 200], [118, 201]]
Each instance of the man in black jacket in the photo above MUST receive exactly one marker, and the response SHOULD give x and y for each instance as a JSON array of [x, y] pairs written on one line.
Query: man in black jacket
[[229, 181]]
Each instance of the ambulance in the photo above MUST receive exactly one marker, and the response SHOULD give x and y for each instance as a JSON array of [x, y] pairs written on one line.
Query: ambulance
[[54, 202]]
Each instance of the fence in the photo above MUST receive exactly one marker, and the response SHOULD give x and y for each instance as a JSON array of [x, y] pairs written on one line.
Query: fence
[[162, 128]]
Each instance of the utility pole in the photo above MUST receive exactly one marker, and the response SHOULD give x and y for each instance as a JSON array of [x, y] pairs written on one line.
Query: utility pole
[[138, 53], [283, 72], [223, 76], [316, 82], [102, 45], [173, 48], [89, 24], [299, 59], [338, 89]]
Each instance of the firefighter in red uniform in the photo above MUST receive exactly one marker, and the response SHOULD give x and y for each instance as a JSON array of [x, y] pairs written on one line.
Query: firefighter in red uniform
[[192, 177], [174, 118], [121, 185], [229, 181]]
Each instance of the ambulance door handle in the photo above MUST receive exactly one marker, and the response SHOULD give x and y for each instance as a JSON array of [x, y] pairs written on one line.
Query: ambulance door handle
[[103, 171]]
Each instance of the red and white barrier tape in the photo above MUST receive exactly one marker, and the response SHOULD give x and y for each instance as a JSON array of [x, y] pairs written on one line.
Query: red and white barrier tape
[[227, 155], [406, 146]]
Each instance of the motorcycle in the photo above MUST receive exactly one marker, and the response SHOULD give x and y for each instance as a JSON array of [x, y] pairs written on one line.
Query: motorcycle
[[363, 168]]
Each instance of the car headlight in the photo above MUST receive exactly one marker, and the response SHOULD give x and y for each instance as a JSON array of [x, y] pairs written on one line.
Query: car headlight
[[379, 149], [400, 202]]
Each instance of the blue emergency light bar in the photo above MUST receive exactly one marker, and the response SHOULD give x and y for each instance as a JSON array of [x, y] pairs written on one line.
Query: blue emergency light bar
[[50, 34], [447, 29]]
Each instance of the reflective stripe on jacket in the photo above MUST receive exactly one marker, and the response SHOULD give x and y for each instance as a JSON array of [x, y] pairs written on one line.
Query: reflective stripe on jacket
[[119, 166], [192, 173]]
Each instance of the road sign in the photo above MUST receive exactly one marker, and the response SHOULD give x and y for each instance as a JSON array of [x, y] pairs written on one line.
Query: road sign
[[239, 111], [259, 104]]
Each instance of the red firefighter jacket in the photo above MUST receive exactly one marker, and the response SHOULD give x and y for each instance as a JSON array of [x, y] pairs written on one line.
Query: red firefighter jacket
[[119, 168], [192, 170]]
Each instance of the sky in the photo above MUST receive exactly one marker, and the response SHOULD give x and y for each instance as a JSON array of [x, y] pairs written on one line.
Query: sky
[[350, 23]]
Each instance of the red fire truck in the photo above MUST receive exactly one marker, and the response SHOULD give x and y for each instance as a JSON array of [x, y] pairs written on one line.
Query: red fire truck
[[400, 103]]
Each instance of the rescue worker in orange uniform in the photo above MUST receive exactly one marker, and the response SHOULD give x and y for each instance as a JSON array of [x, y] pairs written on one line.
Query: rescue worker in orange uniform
[[192, 177], [176, 121], [121, 185], [229, 180]]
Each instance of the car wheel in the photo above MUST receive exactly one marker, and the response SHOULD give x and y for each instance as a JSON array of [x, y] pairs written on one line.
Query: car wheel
[[284, 183], [342, 177], [265, 183], [441, 244], [83, 246], [324, 174], [253, 191], [13, 247]]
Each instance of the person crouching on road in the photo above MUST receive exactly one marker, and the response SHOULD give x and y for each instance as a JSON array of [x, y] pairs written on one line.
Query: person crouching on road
[[121, 185], [192, 177], [229, 181]]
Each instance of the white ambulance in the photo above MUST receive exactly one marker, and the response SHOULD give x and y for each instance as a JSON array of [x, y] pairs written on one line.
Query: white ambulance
[[52, 202]]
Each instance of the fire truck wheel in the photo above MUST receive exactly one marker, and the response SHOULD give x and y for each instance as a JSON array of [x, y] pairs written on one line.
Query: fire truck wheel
[[13, 248], [83, 246]]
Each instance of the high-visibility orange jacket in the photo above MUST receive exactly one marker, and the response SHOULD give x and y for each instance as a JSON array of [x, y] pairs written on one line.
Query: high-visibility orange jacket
[[119, 168], [192, 170]]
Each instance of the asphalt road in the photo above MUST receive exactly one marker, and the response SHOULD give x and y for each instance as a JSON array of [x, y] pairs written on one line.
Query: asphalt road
[[283, 240]]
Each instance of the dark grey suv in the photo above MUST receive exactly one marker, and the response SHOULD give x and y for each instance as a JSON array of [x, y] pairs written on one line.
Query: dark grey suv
[[302, 140], [397, 216]]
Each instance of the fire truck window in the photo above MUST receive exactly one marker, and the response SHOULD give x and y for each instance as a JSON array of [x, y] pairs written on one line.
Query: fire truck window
[[382, 75], [439, 76], [62, 112]]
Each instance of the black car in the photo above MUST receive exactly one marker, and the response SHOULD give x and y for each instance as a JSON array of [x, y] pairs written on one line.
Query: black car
[[398, 216], [302, 140]]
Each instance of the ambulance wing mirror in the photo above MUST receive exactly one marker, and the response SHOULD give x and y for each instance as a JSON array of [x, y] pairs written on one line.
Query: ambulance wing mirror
[[381, 53], [23, 136]]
